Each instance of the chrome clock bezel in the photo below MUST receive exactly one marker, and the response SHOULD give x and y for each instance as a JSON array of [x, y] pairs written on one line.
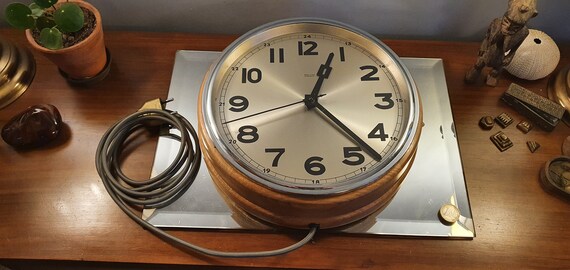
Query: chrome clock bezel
[[311, 25]]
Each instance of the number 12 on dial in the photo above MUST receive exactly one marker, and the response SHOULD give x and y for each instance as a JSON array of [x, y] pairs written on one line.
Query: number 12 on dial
[[311, 108]]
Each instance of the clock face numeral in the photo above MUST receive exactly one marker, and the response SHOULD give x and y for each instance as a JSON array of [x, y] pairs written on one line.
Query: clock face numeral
[[279, 151], [239, 103], [280, 55], [307, 48], [253, 75], [378, 133], [247, 134], [353, 156], [313, 166], [387, 99], [370, 76], [263, 118], [342, 58]]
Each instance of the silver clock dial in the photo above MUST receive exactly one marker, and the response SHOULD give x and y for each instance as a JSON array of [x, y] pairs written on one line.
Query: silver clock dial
[[311, 110]]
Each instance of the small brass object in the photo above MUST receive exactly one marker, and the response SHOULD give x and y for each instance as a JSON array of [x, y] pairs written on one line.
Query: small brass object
[[504, 120], [559, 87], [501, 141], [559, 90], [17, 70], [524, 126], [486, 122], [532, 146], [555, 176], [449, 214]]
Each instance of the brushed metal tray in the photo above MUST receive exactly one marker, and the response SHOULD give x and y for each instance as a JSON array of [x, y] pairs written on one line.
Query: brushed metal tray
[[436, 177]]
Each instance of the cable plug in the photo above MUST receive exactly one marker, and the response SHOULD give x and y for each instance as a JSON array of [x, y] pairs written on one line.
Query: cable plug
[[155, 104]]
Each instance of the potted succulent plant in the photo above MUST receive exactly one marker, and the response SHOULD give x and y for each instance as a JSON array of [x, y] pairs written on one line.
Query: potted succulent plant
[[69, 33]]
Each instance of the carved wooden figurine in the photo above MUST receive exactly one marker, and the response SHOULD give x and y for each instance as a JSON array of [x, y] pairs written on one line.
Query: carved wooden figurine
[[503, 38]]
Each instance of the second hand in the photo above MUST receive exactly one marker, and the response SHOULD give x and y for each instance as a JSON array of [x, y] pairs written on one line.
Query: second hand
[[266, 111]]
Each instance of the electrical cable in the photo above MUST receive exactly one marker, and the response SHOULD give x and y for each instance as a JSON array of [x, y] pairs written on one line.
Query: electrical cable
[[167, 186]]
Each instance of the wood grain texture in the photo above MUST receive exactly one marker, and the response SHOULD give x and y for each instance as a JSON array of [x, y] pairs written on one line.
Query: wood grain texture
[[54, 207]]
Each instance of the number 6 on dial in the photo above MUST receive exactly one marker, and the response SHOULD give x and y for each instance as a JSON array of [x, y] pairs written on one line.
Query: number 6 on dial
[[308, 121]]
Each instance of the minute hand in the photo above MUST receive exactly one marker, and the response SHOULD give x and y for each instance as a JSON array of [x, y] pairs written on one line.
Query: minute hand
[[366, 147]]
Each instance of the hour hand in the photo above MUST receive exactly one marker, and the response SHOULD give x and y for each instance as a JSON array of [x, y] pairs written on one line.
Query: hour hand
[[323, 73]]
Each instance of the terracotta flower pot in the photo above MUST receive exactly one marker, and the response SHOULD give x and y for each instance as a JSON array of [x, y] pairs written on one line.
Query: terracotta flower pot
[[83, 60]]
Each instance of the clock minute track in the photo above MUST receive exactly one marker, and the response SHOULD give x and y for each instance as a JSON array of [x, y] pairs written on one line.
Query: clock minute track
[[295, 166]]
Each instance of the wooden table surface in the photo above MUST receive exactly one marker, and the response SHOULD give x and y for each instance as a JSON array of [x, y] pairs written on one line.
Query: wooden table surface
[[54, 207]]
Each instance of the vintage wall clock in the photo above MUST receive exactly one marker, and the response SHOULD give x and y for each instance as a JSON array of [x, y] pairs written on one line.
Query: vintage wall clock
[[308, 121]]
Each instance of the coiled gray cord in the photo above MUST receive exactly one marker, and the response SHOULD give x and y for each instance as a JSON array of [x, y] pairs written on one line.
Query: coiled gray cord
[[167, 186]]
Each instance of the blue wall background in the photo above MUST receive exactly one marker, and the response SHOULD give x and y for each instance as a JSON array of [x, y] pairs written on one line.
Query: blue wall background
[[461, 20]]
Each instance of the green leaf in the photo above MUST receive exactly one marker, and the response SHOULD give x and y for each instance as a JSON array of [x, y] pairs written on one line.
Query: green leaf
[[69, 17], [37, 11], [44, 22], [19, 15], [51, 38], [45, 3]]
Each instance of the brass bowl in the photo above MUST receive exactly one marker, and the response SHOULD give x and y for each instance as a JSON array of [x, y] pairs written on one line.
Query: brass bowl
[[17, 70], [559, 90], [554, 176]]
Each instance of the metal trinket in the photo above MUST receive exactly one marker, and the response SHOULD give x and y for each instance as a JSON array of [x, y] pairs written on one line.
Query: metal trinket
[[559, 91], [559, 172], [501, 141], [532, 146], [535, 101], [555, 176], [17, 71], [486, 122], [543, 112], [504, 120], [449, 214], [524, 126]]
